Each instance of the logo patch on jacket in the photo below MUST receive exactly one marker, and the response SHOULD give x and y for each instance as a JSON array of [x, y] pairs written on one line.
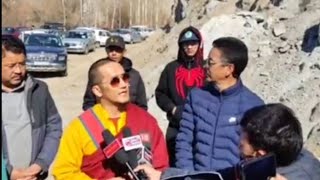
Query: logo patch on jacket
[[232, 120], [188, 78]]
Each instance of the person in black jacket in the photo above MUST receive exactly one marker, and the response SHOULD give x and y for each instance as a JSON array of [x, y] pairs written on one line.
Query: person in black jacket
[[177, 79], [115, 48]]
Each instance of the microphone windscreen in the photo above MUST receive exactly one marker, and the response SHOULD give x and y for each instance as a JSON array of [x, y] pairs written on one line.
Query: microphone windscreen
[[121, 156], [107, 136]]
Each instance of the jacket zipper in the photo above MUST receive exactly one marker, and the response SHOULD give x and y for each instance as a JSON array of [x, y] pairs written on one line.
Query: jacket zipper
[[189, 67], [215, 128]]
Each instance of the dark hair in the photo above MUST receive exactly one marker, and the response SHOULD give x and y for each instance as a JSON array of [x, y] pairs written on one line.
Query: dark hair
[[274, 129], [234, 51], [14, 45], [94, 76]]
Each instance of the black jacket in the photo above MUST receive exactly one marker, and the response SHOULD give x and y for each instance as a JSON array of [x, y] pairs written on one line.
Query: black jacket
[[177, 79], [137, 89]]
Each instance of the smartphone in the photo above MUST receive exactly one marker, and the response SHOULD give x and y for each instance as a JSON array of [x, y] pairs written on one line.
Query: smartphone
[[261, 168]]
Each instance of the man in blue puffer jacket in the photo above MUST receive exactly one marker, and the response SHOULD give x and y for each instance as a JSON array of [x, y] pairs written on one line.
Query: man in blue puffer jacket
[[209, 134]]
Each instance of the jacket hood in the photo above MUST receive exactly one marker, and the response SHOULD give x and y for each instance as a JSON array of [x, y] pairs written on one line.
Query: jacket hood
[[182, 57], [126, 64]]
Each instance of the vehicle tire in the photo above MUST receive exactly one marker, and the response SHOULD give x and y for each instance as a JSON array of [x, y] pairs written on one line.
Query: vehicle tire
[[64, 73], [86, 51], [97, 44], [131, 41]]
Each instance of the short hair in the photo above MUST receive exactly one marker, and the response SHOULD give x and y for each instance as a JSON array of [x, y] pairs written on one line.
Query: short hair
[[14, 45], [94, 76], [274, 129], [234, 51]]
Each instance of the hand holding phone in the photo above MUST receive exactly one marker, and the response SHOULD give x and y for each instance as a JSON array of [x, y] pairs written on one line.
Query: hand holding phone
[[261, 168]]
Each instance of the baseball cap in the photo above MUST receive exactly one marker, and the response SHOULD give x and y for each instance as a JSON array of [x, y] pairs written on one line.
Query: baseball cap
[[115, 41], [188, 36]]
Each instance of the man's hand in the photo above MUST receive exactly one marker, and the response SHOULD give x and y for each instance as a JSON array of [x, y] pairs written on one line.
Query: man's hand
[[117, 178], [21, 174], [28, 178], [29, 173], [34, 169], [151, 173], [278, 177]]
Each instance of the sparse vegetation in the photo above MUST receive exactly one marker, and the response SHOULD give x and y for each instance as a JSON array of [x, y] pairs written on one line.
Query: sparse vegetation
[[100, 13]]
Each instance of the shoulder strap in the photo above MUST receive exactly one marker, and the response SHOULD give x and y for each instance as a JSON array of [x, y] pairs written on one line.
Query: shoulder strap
[[93, 126]]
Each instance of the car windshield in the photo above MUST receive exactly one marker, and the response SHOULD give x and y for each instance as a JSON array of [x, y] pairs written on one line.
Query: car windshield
[[78, 35], [136, 29], [123, 31], [43, 40]]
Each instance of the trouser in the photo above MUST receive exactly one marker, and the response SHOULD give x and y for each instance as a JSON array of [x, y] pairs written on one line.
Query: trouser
[[171, 136]]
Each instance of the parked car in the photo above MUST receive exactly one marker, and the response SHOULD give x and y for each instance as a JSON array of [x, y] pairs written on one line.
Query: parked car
[[129, 35], [79, 41], [101, 35], [24, 34], [15, 31], [46, 53], [144, 31], [53, 25], [6, 36]]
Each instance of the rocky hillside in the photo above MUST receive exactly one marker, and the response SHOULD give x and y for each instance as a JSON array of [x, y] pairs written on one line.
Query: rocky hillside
[[276, 33]]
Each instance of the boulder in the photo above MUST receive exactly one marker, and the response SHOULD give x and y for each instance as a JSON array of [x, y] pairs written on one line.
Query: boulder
[[279, 29]]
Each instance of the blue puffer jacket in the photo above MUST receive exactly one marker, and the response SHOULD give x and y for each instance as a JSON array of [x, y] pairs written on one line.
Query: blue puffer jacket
[[209, 134]]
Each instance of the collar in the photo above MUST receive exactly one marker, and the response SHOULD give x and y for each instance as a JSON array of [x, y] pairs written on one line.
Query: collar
[[213, 88], [16, 89], [104, 116]]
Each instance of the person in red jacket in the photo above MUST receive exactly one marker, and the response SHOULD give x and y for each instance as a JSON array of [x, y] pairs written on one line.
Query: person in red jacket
[[80, 154]]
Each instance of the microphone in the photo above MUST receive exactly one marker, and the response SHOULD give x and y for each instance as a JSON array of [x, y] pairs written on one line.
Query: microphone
[[142, 151], [145, 155], [119, 154], [132, 153], [113, 144]]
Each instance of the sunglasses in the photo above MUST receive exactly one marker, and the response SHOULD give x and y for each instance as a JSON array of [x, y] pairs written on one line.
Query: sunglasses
[[115, 81], [114, 48]]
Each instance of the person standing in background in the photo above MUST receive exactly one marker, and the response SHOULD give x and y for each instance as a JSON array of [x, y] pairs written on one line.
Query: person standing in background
[[177, 79], [116, 48]]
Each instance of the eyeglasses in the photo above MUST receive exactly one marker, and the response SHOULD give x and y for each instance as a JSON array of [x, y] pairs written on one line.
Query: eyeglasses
[[115, 81], [209, 63], [114, 48]]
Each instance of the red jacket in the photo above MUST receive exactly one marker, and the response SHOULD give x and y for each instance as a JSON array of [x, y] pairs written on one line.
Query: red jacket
[[140, 122]]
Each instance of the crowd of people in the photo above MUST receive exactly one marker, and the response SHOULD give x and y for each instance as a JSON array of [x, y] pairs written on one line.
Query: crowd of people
[[215, 121]]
